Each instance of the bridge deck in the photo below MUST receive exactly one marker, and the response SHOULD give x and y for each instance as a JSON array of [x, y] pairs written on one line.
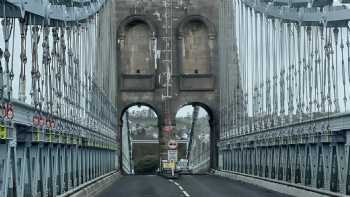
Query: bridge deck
[[195, 186]]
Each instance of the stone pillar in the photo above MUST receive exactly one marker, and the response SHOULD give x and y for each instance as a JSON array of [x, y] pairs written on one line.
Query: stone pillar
[[166, 132]]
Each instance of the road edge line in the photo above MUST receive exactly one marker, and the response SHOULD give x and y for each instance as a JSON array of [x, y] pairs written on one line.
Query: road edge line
[[277, 186], [93, 187]]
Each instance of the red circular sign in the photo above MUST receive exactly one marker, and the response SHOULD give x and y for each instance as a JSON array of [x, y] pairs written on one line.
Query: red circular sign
[[42, 121], [168, 129], [8, 111], [52, 124], [36, 120], [48, 123]]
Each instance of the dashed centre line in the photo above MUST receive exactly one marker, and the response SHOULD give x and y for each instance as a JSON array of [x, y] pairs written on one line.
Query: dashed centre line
[[180, 187], [186, 194]]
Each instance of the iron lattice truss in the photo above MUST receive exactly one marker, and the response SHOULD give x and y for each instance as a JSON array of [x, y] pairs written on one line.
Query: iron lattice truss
[[287, 120], [58, 126]]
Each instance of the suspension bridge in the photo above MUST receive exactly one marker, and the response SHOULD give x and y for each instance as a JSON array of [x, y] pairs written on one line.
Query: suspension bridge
[[272, 75]]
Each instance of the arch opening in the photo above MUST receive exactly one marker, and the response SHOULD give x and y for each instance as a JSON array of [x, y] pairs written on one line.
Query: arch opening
[[193, 126], [140, 139]]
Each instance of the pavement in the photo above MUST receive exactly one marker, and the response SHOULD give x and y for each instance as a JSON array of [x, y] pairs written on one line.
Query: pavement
[[185, 186]]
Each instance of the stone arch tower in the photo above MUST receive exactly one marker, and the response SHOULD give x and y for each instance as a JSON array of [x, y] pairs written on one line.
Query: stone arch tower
[[140, 46]]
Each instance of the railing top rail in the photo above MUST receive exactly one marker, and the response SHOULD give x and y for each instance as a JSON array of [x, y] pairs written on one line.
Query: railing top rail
[[332, 15], [51, 11]]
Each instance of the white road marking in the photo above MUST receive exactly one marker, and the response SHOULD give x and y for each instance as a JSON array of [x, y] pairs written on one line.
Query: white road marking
[[181, 188], [186, 194]]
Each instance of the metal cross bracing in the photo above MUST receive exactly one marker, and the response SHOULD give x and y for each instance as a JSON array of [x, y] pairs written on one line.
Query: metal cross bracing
[[58, 124], [197, 153], [287, 120], [128, 164], [194, 121]]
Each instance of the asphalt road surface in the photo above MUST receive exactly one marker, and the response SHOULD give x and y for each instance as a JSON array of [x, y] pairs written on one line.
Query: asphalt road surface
[[185, 186]]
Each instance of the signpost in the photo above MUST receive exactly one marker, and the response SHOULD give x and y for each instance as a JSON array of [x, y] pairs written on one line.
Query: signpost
[[172, 158], [172, 155]]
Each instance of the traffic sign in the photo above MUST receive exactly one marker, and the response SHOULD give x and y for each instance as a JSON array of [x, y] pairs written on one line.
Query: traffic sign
[[42, 120], [172, 144], [8, 111], [36, 119], [172, 155], [167, 129]]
